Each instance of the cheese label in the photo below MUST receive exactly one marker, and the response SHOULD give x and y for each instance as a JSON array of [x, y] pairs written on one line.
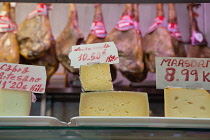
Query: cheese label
[[22, 77], [182, 72], [94, 53]]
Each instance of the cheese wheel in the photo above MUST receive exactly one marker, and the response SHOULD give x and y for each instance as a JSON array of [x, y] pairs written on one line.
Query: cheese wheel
[[114, 103], [182, 102], [15, 102], [96, 77]]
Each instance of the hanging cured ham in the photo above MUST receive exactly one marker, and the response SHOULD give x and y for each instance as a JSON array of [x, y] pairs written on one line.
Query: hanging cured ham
[[128, 42], [49, 59], [34, 33], [198, 47], [157, 41], [174, 31], [71, 35], [9, 48], [98, 33]]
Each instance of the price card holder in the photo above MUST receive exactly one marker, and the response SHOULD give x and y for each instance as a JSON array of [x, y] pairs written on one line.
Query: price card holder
[[94, 53], [23, 77], [182, 72]]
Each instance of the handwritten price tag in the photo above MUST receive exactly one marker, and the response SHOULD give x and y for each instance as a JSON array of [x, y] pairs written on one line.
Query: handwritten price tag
[[23, 77], [182, 72], [94, 53]]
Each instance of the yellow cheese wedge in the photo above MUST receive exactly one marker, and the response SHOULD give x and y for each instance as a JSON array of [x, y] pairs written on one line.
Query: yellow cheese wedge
[[182, 102], [15, 102], [96, 77], [114, 103]]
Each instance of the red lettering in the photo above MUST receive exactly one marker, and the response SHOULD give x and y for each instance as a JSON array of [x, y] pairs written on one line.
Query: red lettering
[[38, 79], [205, 77], [8, 68], [32, 79], [111, 58], [1, 75], [24, 87], [207, 63], [104, 52], [106, 46], [32, 87], [4, 84], [186, 73], [195, 72], [19, 85], [12, 77], [25, 79], [19, 78], [193, 63], [166, 61], [19, 70], [170, 72], [36, 87], [1, 68], [181, 63], [187, 64], [14, 69], [201, 63], [26, 70], [77, 49], [174, 62], [8, 75]]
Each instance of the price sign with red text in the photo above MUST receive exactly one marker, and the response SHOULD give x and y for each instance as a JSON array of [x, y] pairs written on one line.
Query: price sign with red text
[[182, 72], [23, 77], [94, 53]]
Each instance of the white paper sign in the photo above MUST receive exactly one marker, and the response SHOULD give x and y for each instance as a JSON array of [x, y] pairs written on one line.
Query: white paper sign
[[182, 72], [23, 77], [94, 53]]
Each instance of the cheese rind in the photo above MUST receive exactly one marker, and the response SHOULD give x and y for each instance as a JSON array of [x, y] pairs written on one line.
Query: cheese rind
[[182, 102], [15, 102], [114, 103], [96, 77]]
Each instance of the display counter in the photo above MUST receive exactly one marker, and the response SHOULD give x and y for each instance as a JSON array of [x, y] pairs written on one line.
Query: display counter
[[100, 133]]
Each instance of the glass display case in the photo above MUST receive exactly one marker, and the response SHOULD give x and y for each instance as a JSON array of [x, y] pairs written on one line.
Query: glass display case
[[189, 130], [101, 133]]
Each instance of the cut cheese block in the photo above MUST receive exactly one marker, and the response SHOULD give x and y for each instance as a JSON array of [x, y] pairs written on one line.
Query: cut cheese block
[[15, 102], [114, 103], [96, 77], [182, 102]]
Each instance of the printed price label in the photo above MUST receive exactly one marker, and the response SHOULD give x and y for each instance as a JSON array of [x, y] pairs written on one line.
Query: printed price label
[[23, 77], [94, 53], [182, 72]]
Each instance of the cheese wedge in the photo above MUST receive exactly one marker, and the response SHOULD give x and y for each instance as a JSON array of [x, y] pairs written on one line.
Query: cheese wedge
[[182, 102], [114, 103], [96, 77], [15, 102]]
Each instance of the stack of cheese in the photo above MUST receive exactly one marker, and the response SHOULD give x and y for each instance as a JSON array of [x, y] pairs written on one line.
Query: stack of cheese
[[100, 99], [15, 102], [182, 102]]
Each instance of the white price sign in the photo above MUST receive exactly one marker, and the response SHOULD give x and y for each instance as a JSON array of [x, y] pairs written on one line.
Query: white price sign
[[23, 77], [182, 72], [94, 53]]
